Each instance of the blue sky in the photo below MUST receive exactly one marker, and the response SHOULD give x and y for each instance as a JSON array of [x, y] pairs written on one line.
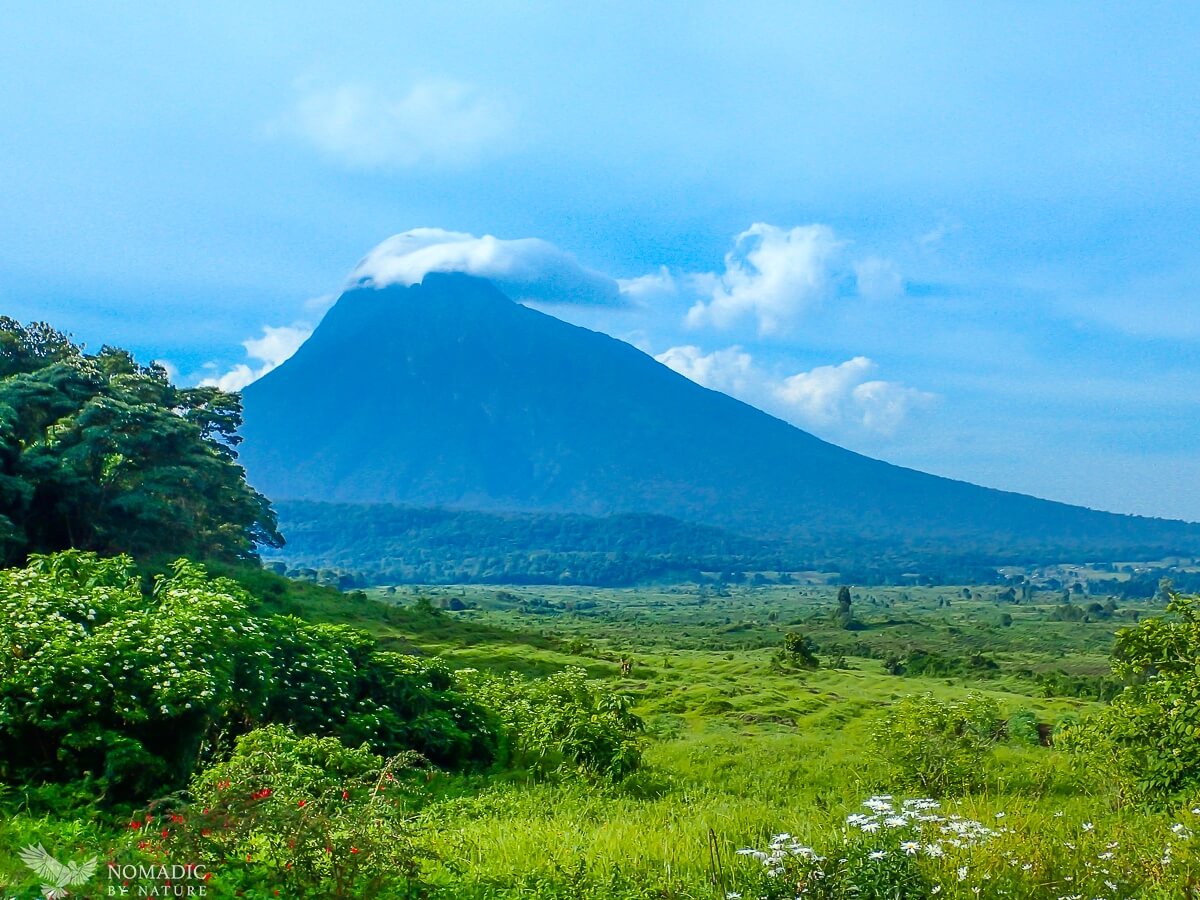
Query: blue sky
[[960, 237]]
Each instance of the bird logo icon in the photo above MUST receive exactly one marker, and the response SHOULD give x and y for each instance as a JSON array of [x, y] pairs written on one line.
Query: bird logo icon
[[56, 877]]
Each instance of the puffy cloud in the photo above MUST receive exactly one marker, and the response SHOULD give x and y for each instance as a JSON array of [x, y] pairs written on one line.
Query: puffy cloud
[[841, 400], [730, 371], [275, 347], [833, 396], [528, 269], [655, 284], [435, 121], [771, 274]]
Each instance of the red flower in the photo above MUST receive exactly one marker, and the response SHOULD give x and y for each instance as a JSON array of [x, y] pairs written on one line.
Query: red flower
[[301, 803], [353, 849], [345, 795]]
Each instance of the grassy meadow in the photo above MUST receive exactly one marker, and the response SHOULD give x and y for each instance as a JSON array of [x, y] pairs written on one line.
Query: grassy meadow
[[741, 746]]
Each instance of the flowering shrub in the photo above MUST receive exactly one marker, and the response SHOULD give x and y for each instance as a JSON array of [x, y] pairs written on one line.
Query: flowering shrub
[[137, 689], [95, 677], [306, 816], [936, 745]]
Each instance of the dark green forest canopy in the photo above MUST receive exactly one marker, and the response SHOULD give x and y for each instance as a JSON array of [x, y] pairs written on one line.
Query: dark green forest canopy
[[100, 453]]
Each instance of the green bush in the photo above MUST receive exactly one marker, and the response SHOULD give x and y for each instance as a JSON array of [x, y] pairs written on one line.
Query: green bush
[[411, 703], [1147, 741], [563, 722], [98, 679], [305, 815], [1023, 728], [799, 649], [937, 746]]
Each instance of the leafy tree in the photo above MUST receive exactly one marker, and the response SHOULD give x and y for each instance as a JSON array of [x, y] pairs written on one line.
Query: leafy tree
[[1148, 739], [844, 617], [100, 453]]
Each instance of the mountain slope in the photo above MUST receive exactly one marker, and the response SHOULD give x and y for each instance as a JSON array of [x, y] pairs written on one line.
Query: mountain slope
[[449, 394]]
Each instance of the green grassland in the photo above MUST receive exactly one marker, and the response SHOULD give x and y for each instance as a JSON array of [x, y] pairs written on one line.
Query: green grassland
[[742, 745]]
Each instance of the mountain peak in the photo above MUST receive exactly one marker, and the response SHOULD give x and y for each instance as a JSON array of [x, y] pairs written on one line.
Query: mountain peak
[[447, 393]]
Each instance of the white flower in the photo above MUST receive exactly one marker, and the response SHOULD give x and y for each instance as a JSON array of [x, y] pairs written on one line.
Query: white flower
[[870, 826], [962, 873], [934, 850], [877, 854], [910, 847], [1088, 826]]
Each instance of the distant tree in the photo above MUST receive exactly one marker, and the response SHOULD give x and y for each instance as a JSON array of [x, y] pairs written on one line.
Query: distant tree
[[100, 453], [844, 617], [844, 599]]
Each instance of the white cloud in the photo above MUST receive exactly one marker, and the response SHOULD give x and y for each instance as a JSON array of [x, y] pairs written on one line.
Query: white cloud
[[838, 401], [655, 284], [275, 347], [730, 371], [878, 279], [528, 269], [435, 121], [771, 274]]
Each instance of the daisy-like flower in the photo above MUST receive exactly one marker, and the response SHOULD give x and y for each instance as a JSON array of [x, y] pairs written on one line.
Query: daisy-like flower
[[910, 847], [877, 854]]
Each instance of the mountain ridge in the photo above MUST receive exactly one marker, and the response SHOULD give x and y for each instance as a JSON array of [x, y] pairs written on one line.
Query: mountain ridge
[[449, 394]]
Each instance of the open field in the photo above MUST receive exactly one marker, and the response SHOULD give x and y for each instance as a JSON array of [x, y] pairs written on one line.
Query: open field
[[741, 745]]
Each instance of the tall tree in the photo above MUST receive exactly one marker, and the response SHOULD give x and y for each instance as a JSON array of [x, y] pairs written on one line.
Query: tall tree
[[100, 453]]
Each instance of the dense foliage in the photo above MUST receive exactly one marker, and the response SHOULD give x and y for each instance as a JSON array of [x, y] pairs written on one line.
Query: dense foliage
[[935, 745], [137, 689], [100, 453], [304, 814], [564, 722], [1148, 738]]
